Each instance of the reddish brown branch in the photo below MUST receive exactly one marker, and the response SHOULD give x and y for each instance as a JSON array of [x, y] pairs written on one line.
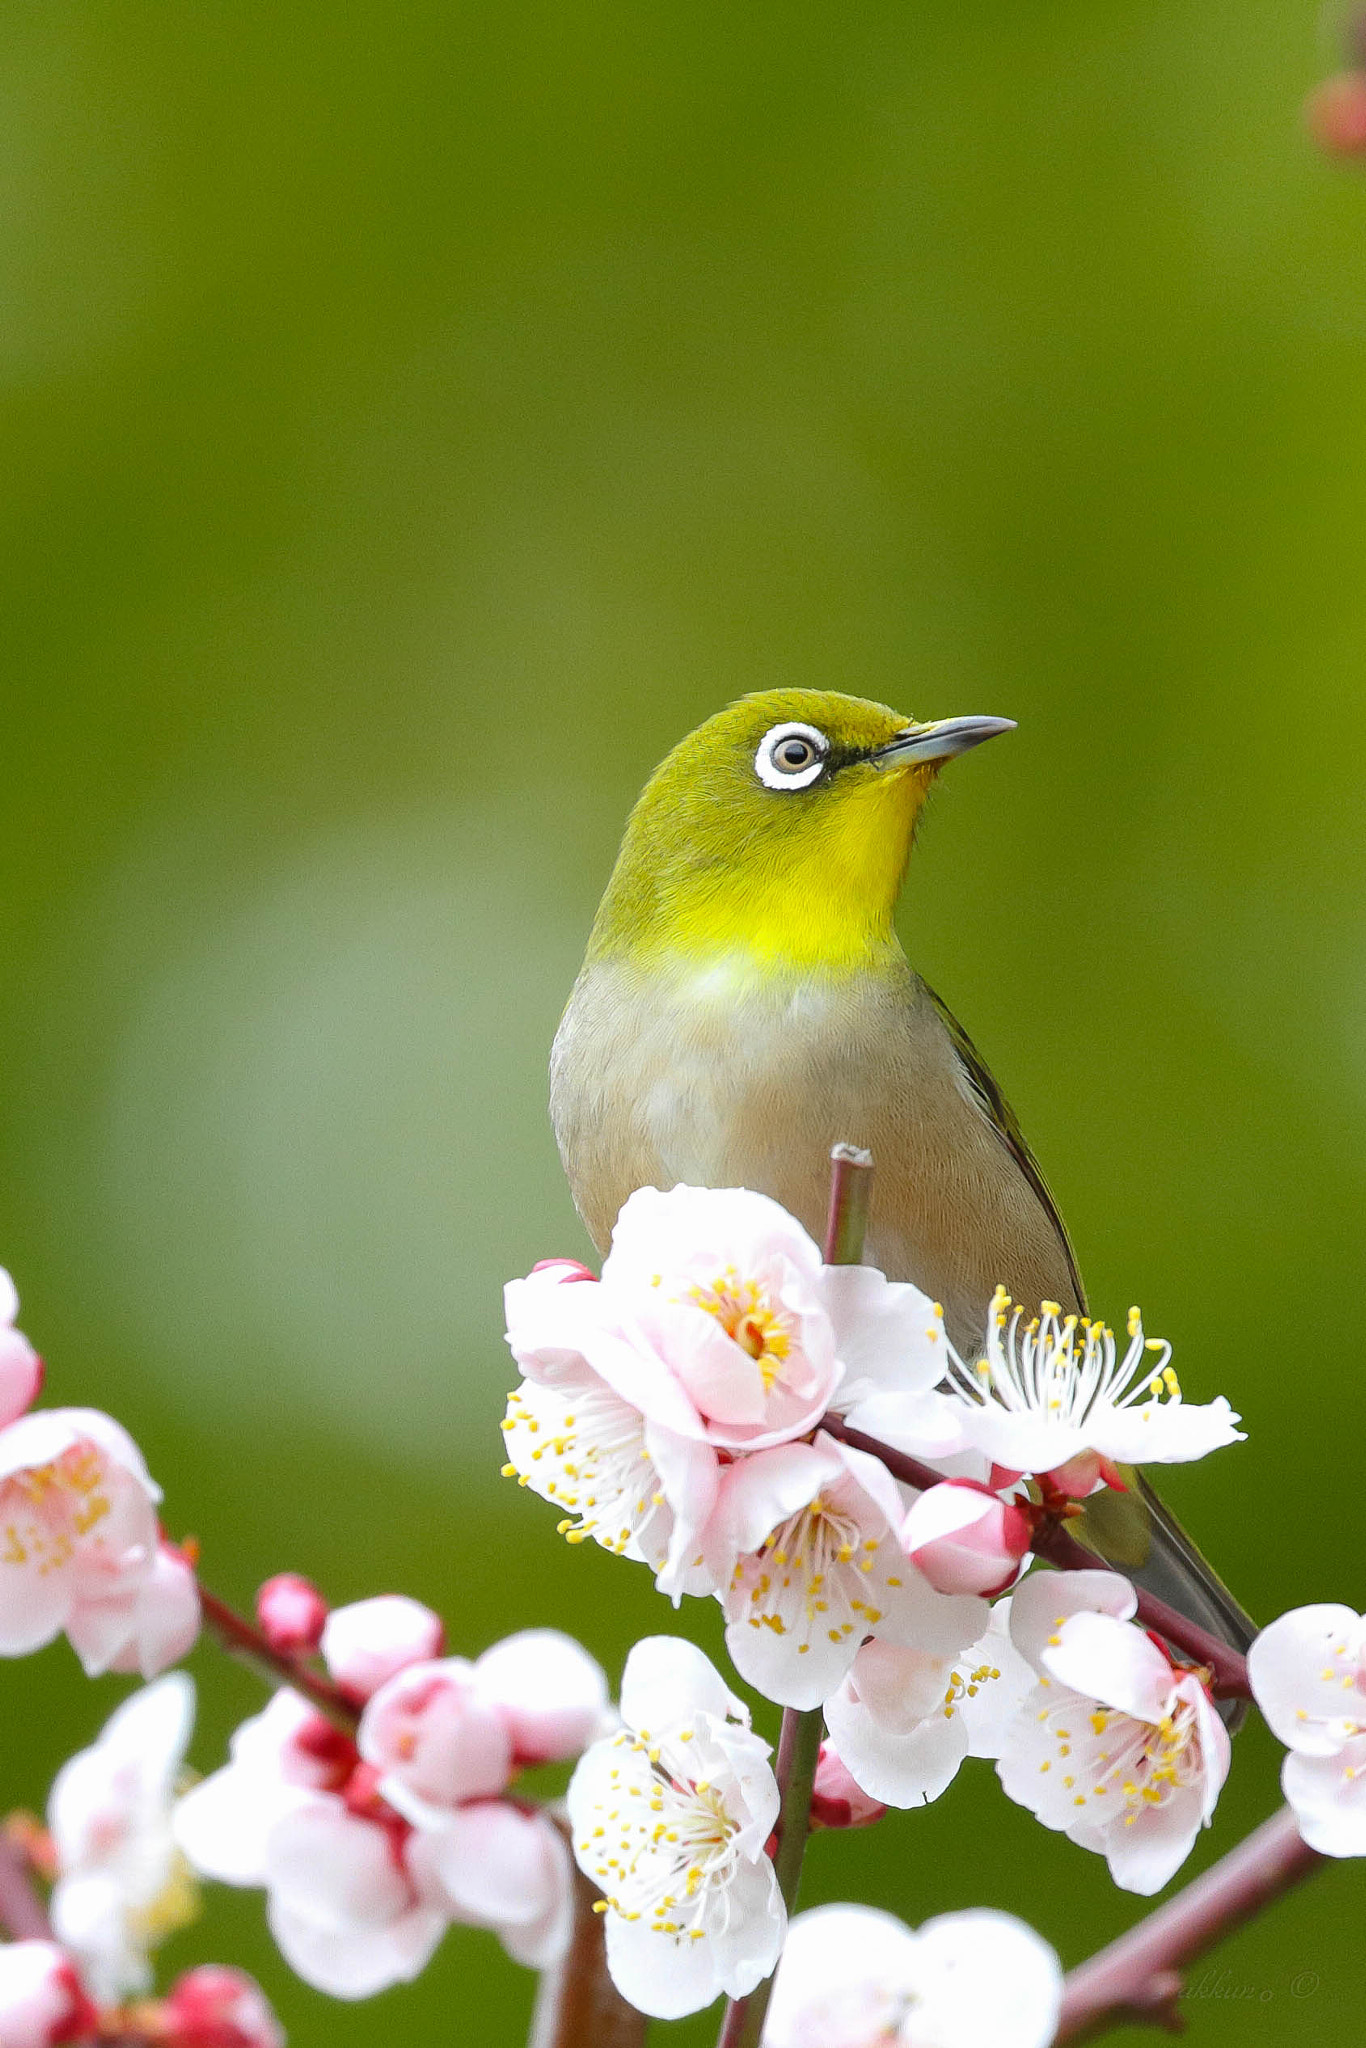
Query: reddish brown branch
[[242, 1639], [1138, 1978], [1051, 1541]]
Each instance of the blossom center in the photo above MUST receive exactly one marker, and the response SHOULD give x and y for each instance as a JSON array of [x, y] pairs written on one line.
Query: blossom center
[[811, 1573], [46, 1507], [664, 1840], [593, 1462], [1119, 1763], [1062, 1368], [748, 1318]]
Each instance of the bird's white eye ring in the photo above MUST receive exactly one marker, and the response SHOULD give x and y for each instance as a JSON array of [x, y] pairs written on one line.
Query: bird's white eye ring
[[791, 756]]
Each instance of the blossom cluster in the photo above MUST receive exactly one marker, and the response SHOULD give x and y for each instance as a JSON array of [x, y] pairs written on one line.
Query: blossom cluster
[[368, 1846], [80, 1546]]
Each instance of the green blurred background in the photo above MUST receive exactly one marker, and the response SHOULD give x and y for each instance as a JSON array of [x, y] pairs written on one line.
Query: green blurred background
[[415, 419]]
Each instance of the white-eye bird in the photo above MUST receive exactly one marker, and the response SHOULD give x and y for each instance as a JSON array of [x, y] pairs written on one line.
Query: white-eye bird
[[745, 1004]]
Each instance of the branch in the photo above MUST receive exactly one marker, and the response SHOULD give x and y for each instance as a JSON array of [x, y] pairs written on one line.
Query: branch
[[1138, 1978], [242, 1639], [851, 1176], [1052, 1541]]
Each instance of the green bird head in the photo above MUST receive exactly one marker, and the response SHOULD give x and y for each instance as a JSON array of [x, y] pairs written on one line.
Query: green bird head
[[779, 831]]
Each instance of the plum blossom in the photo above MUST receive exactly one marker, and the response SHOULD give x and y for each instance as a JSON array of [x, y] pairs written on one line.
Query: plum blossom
[[1308, 1675], [670, 1818], [21, 1369], [217, 2007], [852, 1977], [715, 1331], [635, 1487], [1115, 1747], [80, 1549], [42, 2001], [366, 1643], [905, 1718], [965, 1539], [808, 1533], [294, 1811], [551, 1693], [122, 1885], [1054, 1387]]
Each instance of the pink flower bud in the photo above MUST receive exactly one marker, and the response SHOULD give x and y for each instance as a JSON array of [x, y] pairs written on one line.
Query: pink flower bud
[[292, 1613], [1336, 113], [366, 1643], [215, 2007], [433, 1736], [42, 2000], [837, 1801], [564, 1270], [964, 1539]]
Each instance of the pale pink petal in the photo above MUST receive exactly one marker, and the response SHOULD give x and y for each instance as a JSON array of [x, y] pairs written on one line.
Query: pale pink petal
[[355, 1962], [1112, 1661], [1040, 1605], [366, 1643], [553, 1694], [21, 1375], [901, 1769], [758, 1493], [985, 1977], [1328, 1794], [224, 1824], [1166, 1432], [167, 1617], [1144, 1858], [843, 1982], [1306, 1674], [668, 1680], [431, 1728], [335, 1868], [497, 1866], [888, 1335]]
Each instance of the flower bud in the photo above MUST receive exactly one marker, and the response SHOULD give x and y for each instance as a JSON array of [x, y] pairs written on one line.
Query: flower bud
[[366, 1643], [292, 1613], [964, 1540], [836, 1800], [1336, 113], [42, 2000], [216, 2007], [434, 1738], [564, 1270]]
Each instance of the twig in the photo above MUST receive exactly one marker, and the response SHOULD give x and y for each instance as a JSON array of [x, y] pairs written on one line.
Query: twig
[[242, 1639], [1138, 1978], [23, 1915], [799, 1744], [1052, 1541]]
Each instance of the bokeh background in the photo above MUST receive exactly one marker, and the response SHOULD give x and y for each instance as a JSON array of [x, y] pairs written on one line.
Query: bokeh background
[[414, 420]]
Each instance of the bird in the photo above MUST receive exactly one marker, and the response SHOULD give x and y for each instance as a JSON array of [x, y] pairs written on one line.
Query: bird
[[745, 1004]]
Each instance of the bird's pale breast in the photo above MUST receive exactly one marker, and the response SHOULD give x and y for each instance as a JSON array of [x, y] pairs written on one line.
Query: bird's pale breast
[[709, 1075]]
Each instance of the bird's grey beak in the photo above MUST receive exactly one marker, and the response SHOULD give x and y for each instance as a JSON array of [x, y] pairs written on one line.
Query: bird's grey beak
[[939, 741]]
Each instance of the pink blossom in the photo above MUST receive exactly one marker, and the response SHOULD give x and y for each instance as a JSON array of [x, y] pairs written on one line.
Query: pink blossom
[[806, 1536], [837, 1799], [295, 1811], [1116, 1747], [79, 1528], [21, 1369], [366, 1643], [965, 1539], [217, 2007], [121, 1883], [491, 1865], [1308, 1676], [291, 1612], [435, 1739], [142, 1628], [552, 1695], [42, 2002]]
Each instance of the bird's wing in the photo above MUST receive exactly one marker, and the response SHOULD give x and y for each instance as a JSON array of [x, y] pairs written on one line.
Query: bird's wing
[[1002, 1119]]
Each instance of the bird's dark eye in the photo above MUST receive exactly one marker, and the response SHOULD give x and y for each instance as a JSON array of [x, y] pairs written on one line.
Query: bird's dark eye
[[791, 757]]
